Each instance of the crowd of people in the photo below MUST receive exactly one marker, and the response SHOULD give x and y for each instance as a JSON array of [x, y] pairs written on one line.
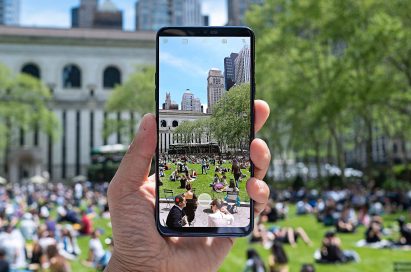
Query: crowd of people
[[347, 211], [225, 179], [40, 225]]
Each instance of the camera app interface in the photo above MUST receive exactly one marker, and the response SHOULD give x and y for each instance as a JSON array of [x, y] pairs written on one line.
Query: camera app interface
[[204, 131]]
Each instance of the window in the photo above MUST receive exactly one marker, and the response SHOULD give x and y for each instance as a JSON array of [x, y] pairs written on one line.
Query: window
[[71, 76], [111, 77], [31, 69], [175, 123], [163, 123]]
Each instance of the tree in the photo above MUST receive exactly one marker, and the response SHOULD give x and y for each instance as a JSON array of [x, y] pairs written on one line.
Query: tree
[[24, 103], [230, 120], [136, 95], [323, 66]]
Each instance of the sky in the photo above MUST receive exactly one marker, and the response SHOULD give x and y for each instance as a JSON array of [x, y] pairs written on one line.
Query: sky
[[186, 66], [56, 13]]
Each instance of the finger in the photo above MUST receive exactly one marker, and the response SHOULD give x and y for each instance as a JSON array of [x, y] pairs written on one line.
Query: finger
[[261, 157], [135, 165], [259, 192], [262, 111]]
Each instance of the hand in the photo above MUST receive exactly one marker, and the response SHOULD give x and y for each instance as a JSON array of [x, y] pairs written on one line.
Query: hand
[[131, 195]]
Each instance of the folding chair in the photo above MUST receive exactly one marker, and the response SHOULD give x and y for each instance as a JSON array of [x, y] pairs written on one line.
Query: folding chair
[[233, 201], [169, 195]]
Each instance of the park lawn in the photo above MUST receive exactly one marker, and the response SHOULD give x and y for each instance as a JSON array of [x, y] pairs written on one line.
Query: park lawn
[[371, 259], [202, 182]]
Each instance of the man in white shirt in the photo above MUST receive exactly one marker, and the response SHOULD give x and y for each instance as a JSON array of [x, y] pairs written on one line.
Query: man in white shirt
[[220, 216]]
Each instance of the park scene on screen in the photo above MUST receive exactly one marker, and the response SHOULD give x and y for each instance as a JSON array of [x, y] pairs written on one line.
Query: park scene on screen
[[204, 131]]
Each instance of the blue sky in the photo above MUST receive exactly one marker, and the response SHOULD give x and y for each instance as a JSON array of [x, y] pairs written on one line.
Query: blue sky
[[186, 66], [56, 13]]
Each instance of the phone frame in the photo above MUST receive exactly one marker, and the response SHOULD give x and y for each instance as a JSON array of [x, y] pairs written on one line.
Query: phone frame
[[205, 32]]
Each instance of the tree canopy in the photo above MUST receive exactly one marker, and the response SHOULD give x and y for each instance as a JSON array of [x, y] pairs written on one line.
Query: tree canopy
[[335, 73], [24, 103]]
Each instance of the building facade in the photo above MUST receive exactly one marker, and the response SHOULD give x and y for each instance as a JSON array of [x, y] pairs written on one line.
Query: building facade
[[154, 14], [229, 71], [242, 66], [92, 15], [215, 88], [9, 12], [169, 121], [189, 102], [81, 67], [236, 10]]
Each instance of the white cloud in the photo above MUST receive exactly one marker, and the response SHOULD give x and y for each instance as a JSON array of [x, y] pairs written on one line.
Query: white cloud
[[182, 64]]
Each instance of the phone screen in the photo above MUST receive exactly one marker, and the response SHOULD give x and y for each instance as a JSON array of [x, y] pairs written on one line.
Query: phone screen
[[205, 122]]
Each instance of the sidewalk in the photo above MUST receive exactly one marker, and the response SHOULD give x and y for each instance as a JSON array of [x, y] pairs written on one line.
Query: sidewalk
[[241, 218]]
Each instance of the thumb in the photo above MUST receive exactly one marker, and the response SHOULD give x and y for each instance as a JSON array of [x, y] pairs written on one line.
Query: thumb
[[135, 165]]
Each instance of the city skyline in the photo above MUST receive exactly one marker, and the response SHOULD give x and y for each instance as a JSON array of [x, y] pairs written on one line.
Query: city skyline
[[51, 13], [184, 61]]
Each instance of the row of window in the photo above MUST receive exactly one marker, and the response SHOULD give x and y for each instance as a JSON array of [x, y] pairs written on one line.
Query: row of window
[[163, 123], [72, 75]]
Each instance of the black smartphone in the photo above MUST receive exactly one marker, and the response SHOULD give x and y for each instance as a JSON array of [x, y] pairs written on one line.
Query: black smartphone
[[205, 124]]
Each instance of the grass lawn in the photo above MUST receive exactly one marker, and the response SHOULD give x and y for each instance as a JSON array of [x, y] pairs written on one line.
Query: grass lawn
[[202, 183], [371, 259]]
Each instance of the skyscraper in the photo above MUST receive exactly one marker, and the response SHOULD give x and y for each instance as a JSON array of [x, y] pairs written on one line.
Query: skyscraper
[[189, 102], [92, 15], [229, 70], [242, 66], [237, 8], [215, 88], [9, 12], [192, 13], [154, 14]]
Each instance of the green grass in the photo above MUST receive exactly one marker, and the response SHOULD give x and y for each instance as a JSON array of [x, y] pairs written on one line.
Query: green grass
[[202, 183], [371, 259]]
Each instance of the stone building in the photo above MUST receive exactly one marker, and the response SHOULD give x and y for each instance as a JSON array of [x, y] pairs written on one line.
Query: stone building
[[81, 67]]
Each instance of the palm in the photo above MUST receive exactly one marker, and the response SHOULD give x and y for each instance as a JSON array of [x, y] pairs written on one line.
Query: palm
[[136, 235]]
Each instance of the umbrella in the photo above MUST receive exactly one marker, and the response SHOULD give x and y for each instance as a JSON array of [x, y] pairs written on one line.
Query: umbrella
[[38, 180], [79, 178], [3, 180]]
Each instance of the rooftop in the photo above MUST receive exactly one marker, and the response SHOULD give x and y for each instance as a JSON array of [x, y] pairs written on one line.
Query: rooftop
[[82, 36]]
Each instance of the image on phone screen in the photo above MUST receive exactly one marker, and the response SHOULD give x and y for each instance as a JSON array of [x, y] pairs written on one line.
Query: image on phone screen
[[204, 121]]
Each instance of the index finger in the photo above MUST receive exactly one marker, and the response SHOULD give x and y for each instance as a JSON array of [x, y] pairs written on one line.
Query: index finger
[[261, 113]]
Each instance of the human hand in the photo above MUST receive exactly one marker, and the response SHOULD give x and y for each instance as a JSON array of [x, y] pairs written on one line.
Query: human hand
[[131, 195]]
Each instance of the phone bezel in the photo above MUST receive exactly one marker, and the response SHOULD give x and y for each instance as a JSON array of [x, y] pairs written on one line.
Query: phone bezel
[[205, 32]]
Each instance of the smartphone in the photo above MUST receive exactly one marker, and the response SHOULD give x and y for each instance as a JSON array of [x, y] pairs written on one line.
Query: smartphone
[[205, 124]]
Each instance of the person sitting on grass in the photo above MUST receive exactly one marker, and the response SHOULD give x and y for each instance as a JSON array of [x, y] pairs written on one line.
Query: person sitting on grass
[[347, 222], [183, 181], [374, 231], [216, 180], [278, 260], [254, 262], [224, 180], [331, 251], [173, 176], [405, 232], [289, 235]]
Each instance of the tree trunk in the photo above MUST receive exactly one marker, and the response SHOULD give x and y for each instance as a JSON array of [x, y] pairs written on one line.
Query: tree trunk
[[368, 149], [339, 148]]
